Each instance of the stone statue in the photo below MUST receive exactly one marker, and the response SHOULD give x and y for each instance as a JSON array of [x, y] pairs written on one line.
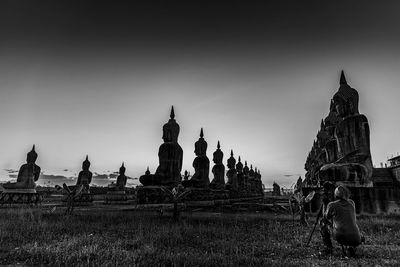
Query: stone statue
[[85, 176], [246, 176], [252, 180], [232, 183], [170, 155], [350, 153], [276, 189], [28, 173], [218, 170], [240, 176], [201, 165], [121, 180]]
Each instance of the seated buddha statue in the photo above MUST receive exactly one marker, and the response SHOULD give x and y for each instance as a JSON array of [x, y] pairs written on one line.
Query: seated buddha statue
[[121, 180], [218, 170], [201, 165], [239, 173], [170, 155], [232, 183], [352, 164], [85, 176], [28, 173], [246, 171]]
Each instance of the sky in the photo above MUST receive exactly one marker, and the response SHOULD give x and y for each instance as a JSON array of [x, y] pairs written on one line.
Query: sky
[[100, 77]]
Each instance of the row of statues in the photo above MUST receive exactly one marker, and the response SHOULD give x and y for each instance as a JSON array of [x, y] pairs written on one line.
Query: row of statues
[[341, 152], [29, 173], [168, 173], [170, 156]]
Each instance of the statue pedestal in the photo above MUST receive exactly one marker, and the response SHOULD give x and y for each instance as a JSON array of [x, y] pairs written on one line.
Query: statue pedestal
[[20, 196], [153, 195], [116, 197]]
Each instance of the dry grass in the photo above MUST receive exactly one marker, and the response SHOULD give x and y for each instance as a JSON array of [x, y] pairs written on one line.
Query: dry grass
[[34, 237]]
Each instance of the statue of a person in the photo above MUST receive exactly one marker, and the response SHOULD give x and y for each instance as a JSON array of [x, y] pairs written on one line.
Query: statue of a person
[[353, 165], [232, 183], [121, 179], [246, 171], [240, 176], [85, 176], [28, 173], [218, 170], [201, 165], [276, 189], [170, 155]]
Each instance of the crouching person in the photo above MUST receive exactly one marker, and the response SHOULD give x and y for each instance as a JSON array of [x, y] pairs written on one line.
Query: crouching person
[[340, 219]]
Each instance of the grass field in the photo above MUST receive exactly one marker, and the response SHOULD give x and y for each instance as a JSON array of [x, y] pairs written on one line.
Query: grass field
[[36, 237]]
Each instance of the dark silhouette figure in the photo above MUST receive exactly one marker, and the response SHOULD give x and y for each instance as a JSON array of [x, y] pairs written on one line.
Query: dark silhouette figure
[[121, 180], [28, 173], [170, 155], [246, 176], [201, 165], [85, 176], [232, 183], [240, 175], [218, 170]]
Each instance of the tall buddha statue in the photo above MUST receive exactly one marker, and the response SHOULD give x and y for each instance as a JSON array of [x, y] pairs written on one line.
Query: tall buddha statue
[[201, 165], [121, 179], [252, 179], [246, 176], [240, 177], [85, 176], [170, 155], [232, 183], [218, 169], [28, 173], [353, 163]]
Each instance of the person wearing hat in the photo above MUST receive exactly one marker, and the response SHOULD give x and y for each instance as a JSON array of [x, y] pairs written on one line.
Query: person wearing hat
[[340, 216]]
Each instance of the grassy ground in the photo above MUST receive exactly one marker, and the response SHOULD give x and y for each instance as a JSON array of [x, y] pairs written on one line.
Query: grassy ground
[[36, 237]]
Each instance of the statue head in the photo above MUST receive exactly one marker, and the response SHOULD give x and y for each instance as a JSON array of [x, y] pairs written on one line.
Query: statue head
[[218, 155], [122, 169], [171, 129], [231, 161], [239, 165], [31, 156], [345, 101], [86, 164], [200, 147]]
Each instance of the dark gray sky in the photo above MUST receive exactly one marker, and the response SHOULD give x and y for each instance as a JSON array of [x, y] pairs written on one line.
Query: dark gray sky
[[98, 78]]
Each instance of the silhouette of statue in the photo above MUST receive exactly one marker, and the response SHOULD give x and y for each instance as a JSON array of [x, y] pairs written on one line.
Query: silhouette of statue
[[240, 176], [85, 176], [246, 176], [28, 173], [121, 180], [232, 183], [116, 192], [201, 165], [350, 154], [170, 155], [218, 170], [252, 180], [276, 189]]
